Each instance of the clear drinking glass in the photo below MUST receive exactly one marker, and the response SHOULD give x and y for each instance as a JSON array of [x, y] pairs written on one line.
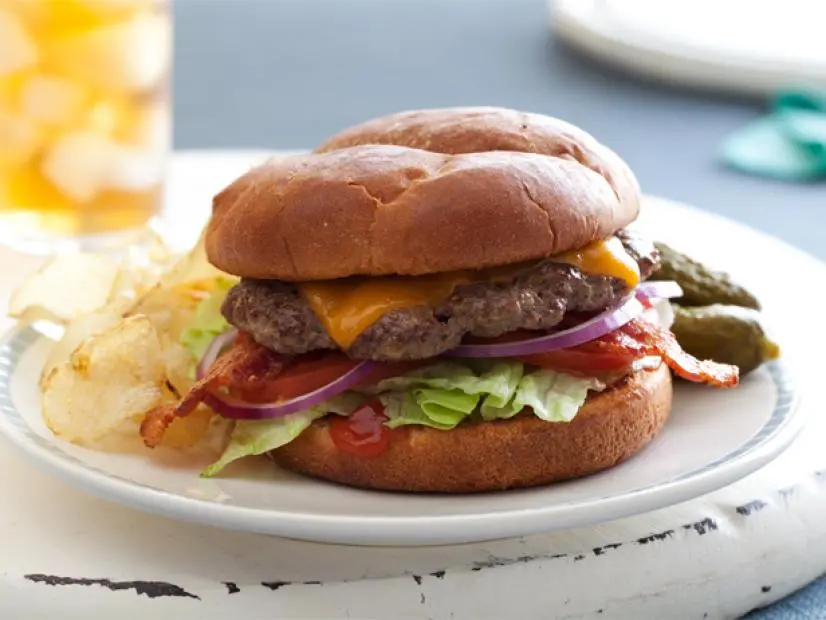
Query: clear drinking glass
[[84, 120]]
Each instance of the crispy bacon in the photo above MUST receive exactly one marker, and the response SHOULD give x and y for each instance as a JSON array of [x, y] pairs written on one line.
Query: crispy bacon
[[620, 343], [641, 338], [245, 365], [651, 339]]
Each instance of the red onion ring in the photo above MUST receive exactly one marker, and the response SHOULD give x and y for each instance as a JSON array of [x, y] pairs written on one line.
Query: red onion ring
[[613, 318], [237, 409], [666, 289], [213, 351]]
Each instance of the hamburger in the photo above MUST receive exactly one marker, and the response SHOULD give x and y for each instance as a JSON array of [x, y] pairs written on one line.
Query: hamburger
[[445, 300]]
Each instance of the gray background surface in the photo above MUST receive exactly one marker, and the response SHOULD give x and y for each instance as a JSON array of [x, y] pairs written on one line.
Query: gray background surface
[[287, 73]]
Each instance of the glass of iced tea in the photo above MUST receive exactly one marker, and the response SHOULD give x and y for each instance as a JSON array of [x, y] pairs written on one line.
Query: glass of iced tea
[[84, 120]]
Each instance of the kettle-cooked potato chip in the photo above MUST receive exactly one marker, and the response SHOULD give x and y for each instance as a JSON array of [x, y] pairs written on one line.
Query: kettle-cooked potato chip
[[76, 333], [112, 378], [65, 288], [120, 353]]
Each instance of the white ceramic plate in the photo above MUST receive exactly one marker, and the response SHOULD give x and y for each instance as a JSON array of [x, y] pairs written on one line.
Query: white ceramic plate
[[713, 438]]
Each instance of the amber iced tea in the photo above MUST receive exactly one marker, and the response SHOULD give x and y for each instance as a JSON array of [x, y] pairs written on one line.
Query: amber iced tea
[[84, 116]]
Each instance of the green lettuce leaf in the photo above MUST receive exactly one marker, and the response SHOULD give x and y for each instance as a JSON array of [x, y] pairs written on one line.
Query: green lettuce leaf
[[442, 409], [553, 396], [251, 438], [497, 378], [207, 321], [440, 396]]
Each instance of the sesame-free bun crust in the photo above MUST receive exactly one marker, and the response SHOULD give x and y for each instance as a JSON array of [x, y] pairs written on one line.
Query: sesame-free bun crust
[[451, 189], [486, 128], [490, 456]]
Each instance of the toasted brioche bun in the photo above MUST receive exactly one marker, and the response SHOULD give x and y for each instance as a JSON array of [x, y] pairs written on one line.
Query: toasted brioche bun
[[486, 128], [489, 456], [385, 209]]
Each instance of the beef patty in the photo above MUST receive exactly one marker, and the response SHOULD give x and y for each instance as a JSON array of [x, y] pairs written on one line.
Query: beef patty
[[276, 316]]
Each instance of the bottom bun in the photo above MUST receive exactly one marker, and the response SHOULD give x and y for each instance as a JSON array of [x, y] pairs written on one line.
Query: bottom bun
[[488, 456]]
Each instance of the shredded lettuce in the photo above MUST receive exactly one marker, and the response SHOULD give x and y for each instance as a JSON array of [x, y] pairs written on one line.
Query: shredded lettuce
[[250, 438], [498, 379], [207, 321], [442, 409], [439, 396], [443, 394], [553, 396]]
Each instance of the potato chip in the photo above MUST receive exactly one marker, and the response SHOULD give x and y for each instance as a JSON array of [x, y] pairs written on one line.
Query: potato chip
[[64, 289], [171, 302], [71, 286], [180, 367], [135, 280], [112, 378], [142, 267], [120, 354], [130, 283], [155, 249], [169, 309], [76, 333]]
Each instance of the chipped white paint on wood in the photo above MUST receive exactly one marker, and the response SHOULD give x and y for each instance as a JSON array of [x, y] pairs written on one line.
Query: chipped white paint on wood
[[720, 555], [703, 555]]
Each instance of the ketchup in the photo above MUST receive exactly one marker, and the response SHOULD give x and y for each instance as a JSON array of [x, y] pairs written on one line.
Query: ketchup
[[363, 432]]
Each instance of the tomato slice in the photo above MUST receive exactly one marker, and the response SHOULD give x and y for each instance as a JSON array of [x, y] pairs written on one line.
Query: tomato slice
[[386, 370], [302, 375], [363, 432], [604, 355], [308, 373]]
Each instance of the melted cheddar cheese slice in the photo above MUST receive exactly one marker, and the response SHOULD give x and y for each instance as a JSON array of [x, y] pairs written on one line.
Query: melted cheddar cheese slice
[[604, 258], [347, 307]]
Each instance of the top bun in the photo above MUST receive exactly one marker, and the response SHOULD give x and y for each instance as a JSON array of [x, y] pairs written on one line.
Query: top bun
[[423, 192]]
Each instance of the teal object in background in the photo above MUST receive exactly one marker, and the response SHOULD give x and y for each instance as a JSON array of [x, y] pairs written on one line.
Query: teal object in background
[[789, 143]]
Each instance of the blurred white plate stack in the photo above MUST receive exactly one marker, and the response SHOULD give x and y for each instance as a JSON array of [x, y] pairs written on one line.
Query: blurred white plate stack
[[738, 46]]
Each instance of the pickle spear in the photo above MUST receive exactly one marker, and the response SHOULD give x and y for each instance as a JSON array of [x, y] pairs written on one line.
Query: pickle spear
[[724, 333], [701, 285]]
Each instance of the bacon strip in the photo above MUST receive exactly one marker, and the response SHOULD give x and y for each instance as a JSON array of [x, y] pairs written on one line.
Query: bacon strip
[[246, 364], [651, 339], [641, 338]]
